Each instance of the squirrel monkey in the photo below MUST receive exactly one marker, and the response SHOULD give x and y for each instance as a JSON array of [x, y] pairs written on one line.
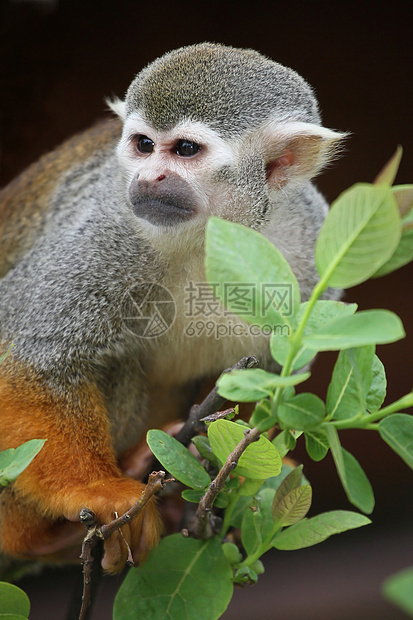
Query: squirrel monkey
[[95, 231]]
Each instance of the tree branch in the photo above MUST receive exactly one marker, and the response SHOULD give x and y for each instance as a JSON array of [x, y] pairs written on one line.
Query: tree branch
[[87, 517], [212, 403], [95, 532], [155, 483], [202, 527]]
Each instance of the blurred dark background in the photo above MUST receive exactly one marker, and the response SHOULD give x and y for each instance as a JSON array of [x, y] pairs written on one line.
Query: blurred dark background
[[58, 60]]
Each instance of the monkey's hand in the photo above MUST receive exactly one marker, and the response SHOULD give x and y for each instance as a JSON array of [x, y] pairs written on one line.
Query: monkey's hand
[[27, 534], [75, 469], [108, 499]]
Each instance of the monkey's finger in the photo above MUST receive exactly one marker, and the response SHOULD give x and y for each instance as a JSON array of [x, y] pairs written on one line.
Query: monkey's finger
[[145, 530], [116, 551]]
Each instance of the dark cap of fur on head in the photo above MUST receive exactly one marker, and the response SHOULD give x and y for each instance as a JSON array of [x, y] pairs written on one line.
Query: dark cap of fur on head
[[231, 90]]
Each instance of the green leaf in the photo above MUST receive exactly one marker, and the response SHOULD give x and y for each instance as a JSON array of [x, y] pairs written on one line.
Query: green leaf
[[250, 487], [304, 411], [251, 535], [294, 506], [323, 313], [240, 507], [364, 328], [177, 459], [360, 233], [335, 446], [15, 460], [397, 431], [292, 500], [275, 482], [284, 442], [399, 590], [261, 412], [292, 480], [350, 383], [13, 601], [275, 490], [260, 460], [245, 574], [203, 446], [357, 485], [194, 496], [254, 384], [258, 567], [377, 391], [388, 173], [237, 255], [233, 484], [404, 198], [355, 482], [265, 425], [232, 553], [312, 531], [241, 422], [317, 445], [403, 254], [183, 579], [265, 500]]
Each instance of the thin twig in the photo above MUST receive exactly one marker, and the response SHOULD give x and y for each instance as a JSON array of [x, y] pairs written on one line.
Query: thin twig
[[94, 532], [202, 527], [155, 483], [88, 518], [129, 561], [212, 403], [219, 415]]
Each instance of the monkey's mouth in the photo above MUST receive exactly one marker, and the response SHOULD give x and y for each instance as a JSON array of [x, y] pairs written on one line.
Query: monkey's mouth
[[161, 213]]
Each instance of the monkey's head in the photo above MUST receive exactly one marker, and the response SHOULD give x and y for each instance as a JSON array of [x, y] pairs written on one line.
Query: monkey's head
[[210, 129]]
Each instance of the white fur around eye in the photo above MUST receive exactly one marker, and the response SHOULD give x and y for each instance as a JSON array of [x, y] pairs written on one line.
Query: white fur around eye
[[218, 151], [221, 150]]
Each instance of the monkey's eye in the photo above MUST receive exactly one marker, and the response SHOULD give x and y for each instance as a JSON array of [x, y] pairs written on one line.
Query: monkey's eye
[[186, 148], [143, 144]]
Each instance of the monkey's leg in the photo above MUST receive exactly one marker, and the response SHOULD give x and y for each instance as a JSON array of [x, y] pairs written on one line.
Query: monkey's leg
[[76, 468]]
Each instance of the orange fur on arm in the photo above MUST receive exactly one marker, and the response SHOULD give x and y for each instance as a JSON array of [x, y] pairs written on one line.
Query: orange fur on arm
[[76, 468]]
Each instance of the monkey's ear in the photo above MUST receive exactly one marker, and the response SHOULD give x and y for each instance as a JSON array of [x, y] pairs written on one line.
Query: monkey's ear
[[298, 151], [118, 107]]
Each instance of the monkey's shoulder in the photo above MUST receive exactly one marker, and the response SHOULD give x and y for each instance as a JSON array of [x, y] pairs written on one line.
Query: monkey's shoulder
[[27, 202]]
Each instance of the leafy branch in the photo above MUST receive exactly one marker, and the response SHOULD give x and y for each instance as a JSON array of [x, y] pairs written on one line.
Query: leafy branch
[[202, 527], [249, 501], [212, 403]]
